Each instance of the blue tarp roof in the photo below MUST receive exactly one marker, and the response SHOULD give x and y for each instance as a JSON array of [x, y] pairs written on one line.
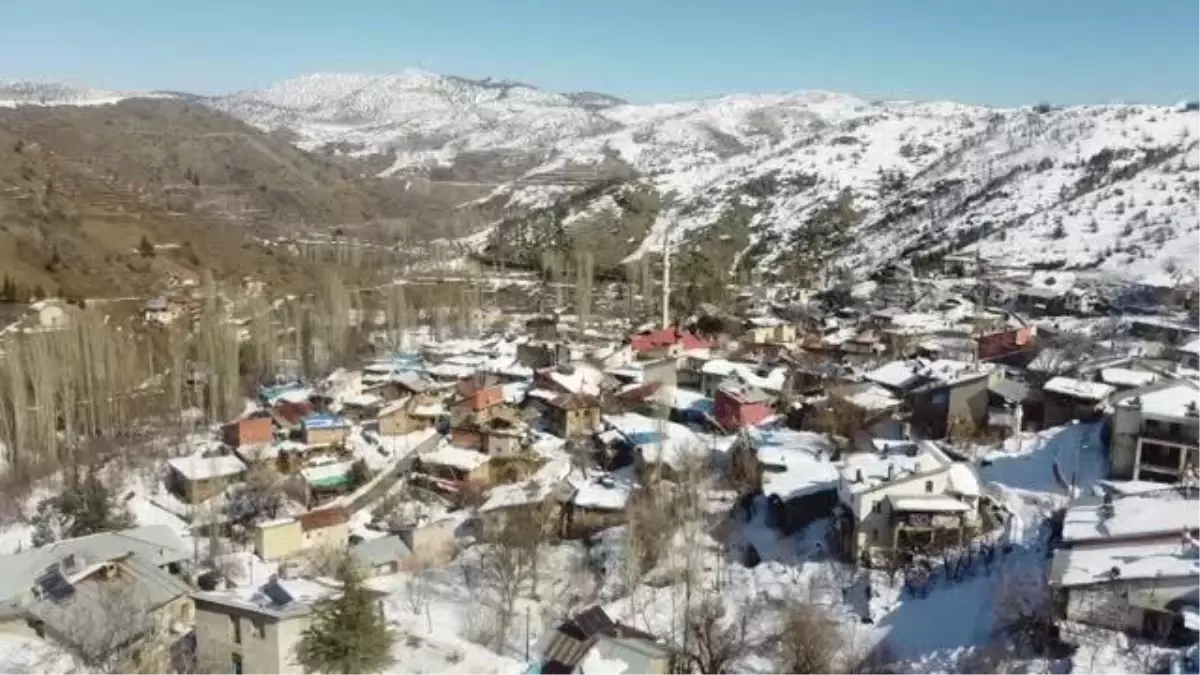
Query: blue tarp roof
[[323, 421]]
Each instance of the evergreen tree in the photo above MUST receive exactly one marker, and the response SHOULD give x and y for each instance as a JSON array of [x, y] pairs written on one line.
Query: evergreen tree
[[145, 247], [82, 508], [347, 634]]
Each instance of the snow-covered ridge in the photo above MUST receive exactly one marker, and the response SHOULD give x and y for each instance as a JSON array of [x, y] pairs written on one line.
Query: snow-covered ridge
[[14, 94]]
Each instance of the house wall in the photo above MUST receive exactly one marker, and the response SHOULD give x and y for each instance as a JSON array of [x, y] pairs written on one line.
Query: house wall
[[1122, 449], [17, 626], [498, 444], [398, 423], [196, 491], [278, 540], [434, 542], [873, 528], [249, 432], [1104, 605], [330, 436], [268, 652], [335, 536]]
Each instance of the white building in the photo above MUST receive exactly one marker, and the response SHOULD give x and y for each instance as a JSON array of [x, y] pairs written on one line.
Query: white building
[[903, 495], [1130, 564]]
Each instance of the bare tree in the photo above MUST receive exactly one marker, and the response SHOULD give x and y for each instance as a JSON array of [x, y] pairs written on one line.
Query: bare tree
[[1024, 616], [717, 642], [809, 640]]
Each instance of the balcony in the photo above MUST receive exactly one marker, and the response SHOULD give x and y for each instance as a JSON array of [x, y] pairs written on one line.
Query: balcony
[[1171, 432]]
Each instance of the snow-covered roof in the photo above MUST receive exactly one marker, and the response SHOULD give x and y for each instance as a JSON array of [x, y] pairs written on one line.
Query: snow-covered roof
[[535, 490], [394, 406], [1131, 517], [362, 400], [897, 375], [446, 454], [582, 379], [324, 421], [658, 440], [1080, 389], [747, 373], [867, 396], [604, 492], [198, 467], [964, 480], [1124, 562], [1171, 402], [326, 472], [1127, 377], [805, 457], [873, 467], [905, 374], [1192, 347]]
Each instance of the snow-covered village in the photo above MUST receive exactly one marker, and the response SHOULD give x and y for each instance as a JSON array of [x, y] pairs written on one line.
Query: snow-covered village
[[527, 338], [888, 476]]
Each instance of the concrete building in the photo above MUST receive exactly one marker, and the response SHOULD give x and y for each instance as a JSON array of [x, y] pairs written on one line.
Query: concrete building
[[902, 494], [1156, 433], [255, 630]]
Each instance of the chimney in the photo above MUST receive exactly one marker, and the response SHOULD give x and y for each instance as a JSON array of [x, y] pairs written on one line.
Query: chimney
[[858, 477], [891, 474]]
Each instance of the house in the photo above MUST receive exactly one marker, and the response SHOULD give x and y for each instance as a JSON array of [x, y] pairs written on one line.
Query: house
[[535, 501], [1156, 433], [1130, 564], [198, 477], [159, 310], [767, 330], [573, 415], [289, 416], [256, 630], [284, 537], [792, 470], [1066, 399], [715, 372], [382, 555], [666, 342], [324, 429], [737, 406], [599, 501], [538, 354], [656, 448], [327, 479], [252, 430], [1006, 343], [449, 468], [903, 495], [1167, 331], [394, 419], [89, 591], [1007, 399], [568, 649], [1188, 356], [579, 378], [942, 395]]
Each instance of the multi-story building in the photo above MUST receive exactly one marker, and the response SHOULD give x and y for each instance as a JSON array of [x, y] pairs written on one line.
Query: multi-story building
[[1156, 433]]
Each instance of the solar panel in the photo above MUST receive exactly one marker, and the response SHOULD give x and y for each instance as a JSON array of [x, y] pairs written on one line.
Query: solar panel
[[276, 593], [54, 585]]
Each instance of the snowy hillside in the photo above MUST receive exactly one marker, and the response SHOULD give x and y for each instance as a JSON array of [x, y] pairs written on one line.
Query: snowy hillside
[[13, 94], [1109, 187]]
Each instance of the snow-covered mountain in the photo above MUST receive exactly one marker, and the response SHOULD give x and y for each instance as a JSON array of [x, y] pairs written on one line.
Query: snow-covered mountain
[[1109, 187], [13, 94]]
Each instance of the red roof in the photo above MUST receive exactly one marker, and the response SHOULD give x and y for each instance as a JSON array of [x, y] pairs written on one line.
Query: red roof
[[293, 413], [666, 337]]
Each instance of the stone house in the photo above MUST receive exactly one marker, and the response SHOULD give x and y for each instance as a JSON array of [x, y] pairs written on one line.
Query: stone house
[[573, 415], [196, 478]]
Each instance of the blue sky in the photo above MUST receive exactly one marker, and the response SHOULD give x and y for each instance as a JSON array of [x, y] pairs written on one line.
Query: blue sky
[[1000, 52]]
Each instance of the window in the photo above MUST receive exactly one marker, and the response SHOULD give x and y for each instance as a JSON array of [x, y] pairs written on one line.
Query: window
[[235, 664], [877, 507], [928, 486], [236, 626], [259, 629]]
